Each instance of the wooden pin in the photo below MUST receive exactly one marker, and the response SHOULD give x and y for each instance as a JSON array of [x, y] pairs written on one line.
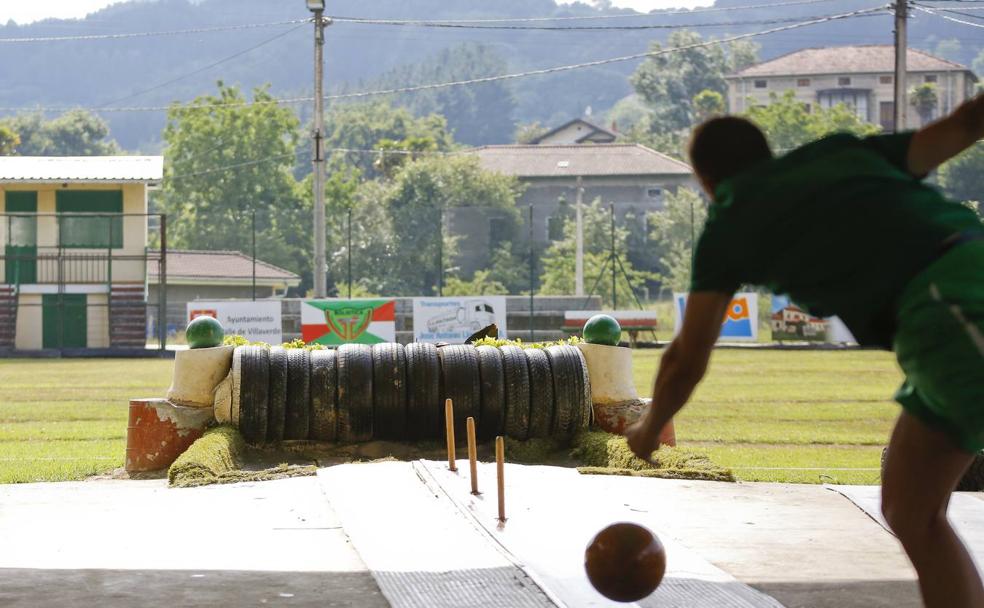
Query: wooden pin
[[500, 466], [449, 423], [472, 454]]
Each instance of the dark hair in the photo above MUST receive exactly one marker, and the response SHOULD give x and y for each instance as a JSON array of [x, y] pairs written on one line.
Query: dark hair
[[723, 147]]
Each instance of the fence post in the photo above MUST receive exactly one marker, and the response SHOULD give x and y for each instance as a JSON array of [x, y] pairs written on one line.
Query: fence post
[[253, 223], [162, 286]]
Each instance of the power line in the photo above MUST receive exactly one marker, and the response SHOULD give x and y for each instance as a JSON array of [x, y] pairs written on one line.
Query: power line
[[205, 68], [203, 30], [486, 79], [948, 18]]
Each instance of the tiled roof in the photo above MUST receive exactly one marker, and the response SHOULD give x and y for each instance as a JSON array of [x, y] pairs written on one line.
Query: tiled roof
[[594, 129], [81, 168], [219, 266], [577, 159], [847, 60]]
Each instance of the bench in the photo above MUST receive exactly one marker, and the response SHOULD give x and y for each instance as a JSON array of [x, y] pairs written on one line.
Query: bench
[[631, 321]]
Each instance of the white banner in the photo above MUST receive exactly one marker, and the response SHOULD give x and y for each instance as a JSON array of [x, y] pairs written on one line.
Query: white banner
[[255, 321], [453, 320], [740, 323]]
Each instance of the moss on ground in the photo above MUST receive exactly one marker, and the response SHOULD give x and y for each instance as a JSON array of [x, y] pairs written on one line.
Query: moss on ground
[[602, 453], [535, 451]]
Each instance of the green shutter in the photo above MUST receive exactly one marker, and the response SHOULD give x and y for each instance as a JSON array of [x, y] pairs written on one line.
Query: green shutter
[[63, 321], [21, 250], [89, 232]]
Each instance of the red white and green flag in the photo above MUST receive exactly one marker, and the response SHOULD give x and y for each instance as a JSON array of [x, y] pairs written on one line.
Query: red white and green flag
[[333, 322]]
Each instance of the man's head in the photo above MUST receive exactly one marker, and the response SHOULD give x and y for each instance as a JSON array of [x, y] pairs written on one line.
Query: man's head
[[723, 147]]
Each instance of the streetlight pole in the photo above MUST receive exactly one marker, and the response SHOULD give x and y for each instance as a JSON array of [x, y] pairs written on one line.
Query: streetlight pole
[[320, 265]]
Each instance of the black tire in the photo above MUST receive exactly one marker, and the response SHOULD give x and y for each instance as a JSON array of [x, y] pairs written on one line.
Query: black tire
[[493, 393], [389, 391], [517, 380], [461, 383], [584, 407], [541, 393], [298, 393], [277, 396], [566, 365], [425, 410], [973, 477], [354, 392], [324, 395], [255, 394]]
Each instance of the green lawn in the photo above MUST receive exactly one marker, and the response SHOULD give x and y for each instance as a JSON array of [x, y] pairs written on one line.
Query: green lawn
[[798, 416]]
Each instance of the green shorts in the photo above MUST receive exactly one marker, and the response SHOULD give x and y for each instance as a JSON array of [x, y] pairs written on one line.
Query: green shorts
[[939, 343]]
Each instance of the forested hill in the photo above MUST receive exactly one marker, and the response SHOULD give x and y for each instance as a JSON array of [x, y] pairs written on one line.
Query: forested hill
[[156, 70]]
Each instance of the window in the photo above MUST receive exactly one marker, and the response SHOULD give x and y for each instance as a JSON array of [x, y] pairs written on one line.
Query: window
[[857, 100], [844, 81], [761, 84], [885, 80], [803, 82], [78, 225], [555, 228], [656, 193], [498, 230], [929, 78]]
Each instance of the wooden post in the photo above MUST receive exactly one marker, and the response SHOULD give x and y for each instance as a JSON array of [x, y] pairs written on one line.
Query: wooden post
[[500, 466], [472, 455], [449, 423]]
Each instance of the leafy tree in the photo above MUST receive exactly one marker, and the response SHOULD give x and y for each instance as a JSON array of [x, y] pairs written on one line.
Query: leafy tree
[[394, 154], [226, 160], [787, 123], [481, 284], [631, 114], [676, 228], [9, 140], [74, 133], [526, 133], [963, 177], [511, 267], [708, 104], [559, 259], [924, 99], [670, 81]]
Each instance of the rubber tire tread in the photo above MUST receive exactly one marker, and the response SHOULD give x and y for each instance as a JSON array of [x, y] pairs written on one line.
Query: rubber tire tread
[[565, 367], [461, 383], [277, 396], [297, 423], [425, 410], [493, 393], [541, 393], [237, 385], [584, 407], [255, 394], [324, 395], [355, 393], [389, 391], [517, 380]]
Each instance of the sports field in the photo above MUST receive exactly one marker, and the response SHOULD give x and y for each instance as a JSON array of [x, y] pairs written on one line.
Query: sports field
[[792, 416]]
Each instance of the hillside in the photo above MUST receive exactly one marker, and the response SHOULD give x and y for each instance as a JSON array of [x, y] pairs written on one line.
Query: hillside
[[156, 70]]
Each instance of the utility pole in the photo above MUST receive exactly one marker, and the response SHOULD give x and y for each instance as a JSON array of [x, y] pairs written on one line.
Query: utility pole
[[320, 265], [579, 255], [901, 48]]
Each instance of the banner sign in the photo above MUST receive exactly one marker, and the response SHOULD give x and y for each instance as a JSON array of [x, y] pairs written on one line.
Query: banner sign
[[792, 323], [255, 321], [334, 322], [453, 320], [740, 323]]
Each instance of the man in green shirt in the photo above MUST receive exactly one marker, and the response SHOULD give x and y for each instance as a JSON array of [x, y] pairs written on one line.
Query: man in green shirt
[[846, 227]]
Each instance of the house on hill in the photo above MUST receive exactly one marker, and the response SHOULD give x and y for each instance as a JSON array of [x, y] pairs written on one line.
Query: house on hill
[[73, 251], [861, 77], [633, 177], [577, 131]]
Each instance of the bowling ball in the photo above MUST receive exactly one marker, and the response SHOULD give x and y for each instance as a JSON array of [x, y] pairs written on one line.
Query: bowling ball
[[204, 332], [625, 562], [602, 329]]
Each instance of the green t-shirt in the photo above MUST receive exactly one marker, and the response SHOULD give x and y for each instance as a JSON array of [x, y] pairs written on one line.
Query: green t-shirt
[[839, 224]]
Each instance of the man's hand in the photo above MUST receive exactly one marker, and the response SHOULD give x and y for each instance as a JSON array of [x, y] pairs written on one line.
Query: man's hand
[[643, 440]]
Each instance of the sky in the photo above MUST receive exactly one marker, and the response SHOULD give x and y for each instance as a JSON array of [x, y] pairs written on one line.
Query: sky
[[27, 11]]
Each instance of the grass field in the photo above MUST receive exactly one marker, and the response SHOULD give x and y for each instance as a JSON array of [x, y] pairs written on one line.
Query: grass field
[[796, 416]]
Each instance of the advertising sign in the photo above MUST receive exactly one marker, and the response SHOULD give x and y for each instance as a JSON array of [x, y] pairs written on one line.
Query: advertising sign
[[740, 323], [334, 322], [453, 320], [255, 321]]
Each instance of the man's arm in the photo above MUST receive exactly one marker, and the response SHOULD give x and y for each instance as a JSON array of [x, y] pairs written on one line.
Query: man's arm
[[681, 368], [937, 143]]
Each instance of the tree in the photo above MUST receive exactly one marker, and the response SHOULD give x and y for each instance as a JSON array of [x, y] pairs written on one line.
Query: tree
[[924, 99], [631, 114], [669, 82], [9, 140], [676, 228], [708, 104], [526, 133], [963, 177], [227, 159], [74, 133], [558, 261], [481, 284], [788, 124]]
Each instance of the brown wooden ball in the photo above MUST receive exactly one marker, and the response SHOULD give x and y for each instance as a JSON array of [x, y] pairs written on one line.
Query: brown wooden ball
[[625, 562]]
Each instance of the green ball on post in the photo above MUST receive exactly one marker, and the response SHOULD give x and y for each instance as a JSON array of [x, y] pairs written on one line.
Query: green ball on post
[[602, 329], [204, 332]]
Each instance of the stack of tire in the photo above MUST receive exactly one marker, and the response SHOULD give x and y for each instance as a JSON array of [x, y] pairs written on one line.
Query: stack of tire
[[359, 393]]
